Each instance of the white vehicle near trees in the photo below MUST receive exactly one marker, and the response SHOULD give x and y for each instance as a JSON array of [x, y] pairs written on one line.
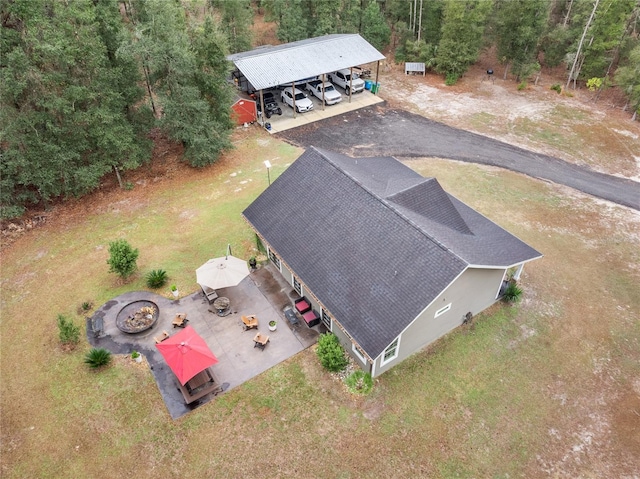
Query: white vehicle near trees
[[344, 79], [302, 101], [331, 95]]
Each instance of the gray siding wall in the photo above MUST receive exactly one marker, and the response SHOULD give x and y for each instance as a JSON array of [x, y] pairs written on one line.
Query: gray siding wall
[[347, 345], [344, 339], [474, 291]]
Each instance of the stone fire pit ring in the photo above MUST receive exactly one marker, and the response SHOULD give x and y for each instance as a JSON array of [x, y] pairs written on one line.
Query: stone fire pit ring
[[137, 316]]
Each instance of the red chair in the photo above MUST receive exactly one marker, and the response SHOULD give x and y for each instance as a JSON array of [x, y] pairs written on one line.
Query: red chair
[[302, 305]]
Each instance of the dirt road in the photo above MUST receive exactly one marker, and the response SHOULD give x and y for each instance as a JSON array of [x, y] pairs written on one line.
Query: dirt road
[[383, 131]]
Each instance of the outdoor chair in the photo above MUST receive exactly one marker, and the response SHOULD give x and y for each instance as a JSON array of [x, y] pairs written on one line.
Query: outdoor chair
[[209, 293], [162, 337], [312, 318], [249, 322], [302, 305], [180, 321], [260, 340]]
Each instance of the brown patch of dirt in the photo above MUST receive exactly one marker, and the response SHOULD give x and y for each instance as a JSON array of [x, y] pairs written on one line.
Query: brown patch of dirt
[[264, 33], [626, 421]]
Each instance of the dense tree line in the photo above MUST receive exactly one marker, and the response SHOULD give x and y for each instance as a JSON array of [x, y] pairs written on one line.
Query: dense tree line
[[83, 82], [594, 38]]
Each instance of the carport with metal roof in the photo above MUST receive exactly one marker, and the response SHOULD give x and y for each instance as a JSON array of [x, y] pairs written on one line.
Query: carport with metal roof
[[271, 66]]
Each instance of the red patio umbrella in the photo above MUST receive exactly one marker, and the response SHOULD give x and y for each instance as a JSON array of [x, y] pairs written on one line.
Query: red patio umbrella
[[186, 354]]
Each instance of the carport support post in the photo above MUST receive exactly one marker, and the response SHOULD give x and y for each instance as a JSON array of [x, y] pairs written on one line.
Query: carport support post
[[350, 82], [377, 72], [262, 112], [293, 93], [323, 102]]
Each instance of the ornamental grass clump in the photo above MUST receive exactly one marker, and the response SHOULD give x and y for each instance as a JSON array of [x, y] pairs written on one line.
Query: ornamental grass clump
[[359, 382], [512, 293], [330, 352], [156, 278], [97, 357]]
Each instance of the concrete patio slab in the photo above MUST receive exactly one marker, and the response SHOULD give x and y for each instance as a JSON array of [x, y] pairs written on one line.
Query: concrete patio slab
[[263, 293], [289, 119]]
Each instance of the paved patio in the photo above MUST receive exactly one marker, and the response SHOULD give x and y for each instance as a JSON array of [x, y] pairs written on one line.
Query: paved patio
[[263, 293]]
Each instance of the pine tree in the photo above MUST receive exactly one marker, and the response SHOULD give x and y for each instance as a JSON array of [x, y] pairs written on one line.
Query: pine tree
[[628, 79], [237, 16], [374, 27], [519, 24], [191, 110], [67, 109], [462, 29]]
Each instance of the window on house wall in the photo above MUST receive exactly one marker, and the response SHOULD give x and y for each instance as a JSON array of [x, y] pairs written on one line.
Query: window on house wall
[[391, 352], [326, 319], [296, 285], [275, 259], [441, 311], [359, 353]]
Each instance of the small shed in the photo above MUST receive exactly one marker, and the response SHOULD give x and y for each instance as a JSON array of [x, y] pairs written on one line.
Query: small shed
[[414, 68], [244, 111]]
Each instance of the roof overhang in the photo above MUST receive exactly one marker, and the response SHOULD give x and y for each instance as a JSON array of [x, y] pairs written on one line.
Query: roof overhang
[[271, 66]]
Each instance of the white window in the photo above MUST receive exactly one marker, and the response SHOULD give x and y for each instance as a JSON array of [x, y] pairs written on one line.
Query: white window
[[441, 311], [358, 352], [275, 259], [326, 319], [391, 352]]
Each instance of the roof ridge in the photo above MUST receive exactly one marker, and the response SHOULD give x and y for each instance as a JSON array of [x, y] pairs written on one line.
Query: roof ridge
[[412, 223], [435, 192]]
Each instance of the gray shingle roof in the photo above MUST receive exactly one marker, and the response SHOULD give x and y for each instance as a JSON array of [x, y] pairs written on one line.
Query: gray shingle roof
[[267, 67], [373, 240]]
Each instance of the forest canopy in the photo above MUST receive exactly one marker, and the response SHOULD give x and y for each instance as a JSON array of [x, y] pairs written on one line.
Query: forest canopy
[[84, 82]]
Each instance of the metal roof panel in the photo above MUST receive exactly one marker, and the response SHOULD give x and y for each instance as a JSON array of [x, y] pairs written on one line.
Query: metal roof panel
[[267, 67]]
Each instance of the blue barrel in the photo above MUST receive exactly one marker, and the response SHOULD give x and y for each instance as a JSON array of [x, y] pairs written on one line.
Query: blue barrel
[[367, 84]]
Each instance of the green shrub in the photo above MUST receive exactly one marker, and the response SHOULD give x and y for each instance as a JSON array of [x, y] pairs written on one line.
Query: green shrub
[[522, 85], [557, 88], [451, 79], [359, 382], [97, 357], [156, 278], [69, 333], [330, 352], [122, 258], [512, 293]]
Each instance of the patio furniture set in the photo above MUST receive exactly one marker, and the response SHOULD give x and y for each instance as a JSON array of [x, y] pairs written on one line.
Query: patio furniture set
[[310, 317], [251, 322]]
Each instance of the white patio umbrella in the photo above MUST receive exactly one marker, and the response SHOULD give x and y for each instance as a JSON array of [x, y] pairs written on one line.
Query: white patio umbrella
[[222, 272]]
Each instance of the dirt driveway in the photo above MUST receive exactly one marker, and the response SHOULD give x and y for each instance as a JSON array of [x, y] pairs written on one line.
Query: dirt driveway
[[384, 131]]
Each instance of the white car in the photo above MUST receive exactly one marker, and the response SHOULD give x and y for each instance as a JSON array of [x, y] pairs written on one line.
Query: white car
[[302, 101]]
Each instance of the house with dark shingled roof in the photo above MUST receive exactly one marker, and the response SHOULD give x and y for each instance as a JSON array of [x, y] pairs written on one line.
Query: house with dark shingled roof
[[388, 260]]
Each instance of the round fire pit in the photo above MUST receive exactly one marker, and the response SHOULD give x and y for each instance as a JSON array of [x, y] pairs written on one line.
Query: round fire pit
[[137, 317]]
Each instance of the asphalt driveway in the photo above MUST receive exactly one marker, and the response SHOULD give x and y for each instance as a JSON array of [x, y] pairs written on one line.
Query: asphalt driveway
[[382, 131]]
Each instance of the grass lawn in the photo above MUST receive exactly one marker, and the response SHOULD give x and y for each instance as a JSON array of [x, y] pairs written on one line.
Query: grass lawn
[[546, 387]]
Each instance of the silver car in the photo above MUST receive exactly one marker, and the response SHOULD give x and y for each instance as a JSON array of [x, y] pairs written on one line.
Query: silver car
[[302, 101]]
